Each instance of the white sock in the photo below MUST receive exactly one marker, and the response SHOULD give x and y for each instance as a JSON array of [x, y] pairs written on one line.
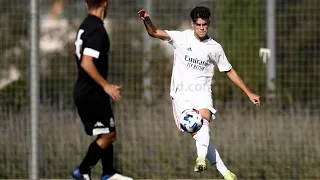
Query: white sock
[[202, 139], [215, 159]]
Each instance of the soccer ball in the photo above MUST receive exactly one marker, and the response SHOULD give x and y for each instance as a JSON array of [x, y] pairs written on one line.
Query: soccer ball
[[191, 120]]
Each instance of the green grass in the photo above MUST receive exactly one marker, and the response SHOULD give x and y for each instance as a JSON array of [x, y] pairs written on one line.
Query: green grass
[[255, 143]]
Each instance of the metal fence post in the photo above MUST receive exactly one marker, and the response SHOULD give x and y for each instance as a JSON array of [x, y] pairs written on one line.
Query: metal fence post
[[271, 37], [147, 41], [34, 89]]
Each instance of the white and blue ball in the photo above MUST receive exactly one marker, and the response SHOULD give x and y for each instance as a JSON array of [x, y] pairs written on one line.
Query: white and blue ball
[[191, 120]]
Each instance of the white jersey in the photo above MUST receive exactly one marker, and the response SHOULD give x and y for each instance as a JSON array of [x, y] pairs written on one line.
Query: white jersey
[[193, 65]]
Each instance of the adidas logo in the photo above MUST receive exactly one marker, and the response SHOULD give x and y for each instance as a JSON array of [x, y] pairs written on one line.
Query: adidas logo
[[189, 49], [99, 124]]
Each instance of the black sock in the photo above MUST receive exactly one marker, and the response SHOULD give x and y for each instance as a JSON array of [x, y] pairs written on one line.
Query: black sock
[[92, 157], [107, 161]]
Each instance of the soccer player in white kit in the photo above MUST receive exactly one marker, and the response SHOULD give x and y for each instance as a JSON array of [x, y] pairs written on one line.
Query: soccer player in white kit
[[195, 54]]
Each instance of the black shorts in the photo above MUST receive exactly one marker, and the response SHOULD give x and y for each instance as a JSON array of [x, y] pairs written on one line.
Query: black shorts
[[96, 116]]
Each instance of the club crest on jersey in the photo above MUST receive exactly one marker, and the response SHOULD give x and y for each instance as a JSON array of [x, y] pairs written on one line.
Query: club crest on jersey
[[189, 49], [112, 122]]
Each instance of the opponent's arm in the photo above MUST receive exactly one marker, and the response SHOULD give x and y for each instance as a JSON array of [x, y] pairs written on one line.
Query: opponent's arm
[[152, 30], [236, 79], [111, 89]]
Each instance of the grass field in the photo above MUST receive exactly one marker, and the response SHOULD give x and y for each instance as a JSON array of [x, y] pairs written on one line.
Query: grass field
[[255, 143]]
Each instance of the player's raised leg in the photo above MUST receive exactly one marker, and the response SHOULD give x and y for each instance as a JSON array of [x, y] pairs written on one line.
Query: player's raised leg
[[202, 138]]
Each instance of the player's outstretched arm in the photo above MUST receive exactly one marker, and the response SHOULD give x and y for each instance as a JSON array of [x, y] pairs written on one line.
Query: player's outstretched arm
[[152, 30], [236, 79]]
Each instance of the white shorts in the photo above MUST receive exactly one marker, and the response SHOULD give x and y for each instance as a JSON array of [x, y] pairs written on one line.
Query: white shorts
[[178, 106]]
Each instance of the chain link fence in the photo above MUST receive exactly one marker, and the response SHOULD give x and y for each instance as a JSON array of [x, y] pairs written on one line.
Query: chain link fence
[[279, 140]]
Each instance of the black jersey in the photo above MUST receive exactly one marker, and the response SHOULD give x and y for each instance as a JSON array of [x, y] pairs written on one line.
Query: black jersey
[[92, 40]]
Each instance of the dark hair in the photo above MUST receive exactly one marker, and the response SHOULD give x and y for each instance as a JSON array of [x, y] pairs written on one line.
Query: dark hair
[[94, 4], [200, 12]]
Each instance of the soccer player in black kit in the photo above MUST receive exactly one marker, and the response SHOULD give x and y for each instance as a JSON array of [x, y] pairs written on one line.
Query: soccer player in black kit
[[92, 93]]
